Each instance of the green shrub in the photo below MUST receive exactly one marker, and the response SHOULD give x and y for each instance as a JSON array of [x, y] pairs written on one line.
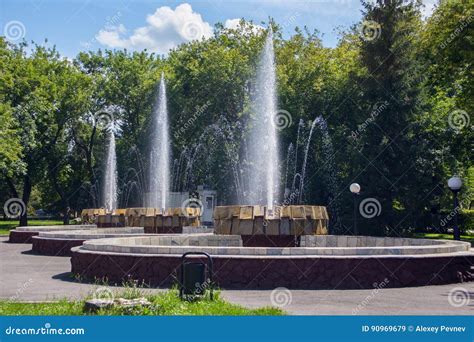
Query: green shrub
[[466, 219]]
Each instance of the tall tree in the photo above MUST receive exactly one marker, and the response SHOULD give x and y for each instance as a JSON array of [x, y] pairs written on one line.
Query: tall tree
[[387, 155]]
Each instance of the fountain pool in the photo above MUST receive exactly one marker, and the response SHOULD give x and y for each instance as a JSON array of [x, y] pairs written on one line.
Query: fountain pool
[[322, 262], [24, 234]]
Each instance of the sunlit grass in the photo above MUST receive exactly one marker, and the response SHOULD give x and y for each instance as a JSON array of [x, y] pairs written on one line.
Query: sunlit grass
[[467, 238], [7, 225], [166, 303]]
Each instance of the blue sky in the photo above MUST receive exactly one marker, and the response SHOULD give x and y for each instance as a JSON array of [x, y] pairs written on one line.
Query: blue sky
[[77, 25]]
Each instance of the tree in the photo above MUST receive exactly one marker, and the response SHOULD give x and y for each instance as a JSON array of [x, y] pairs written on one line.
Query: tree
[[387, 156], [446, 48]]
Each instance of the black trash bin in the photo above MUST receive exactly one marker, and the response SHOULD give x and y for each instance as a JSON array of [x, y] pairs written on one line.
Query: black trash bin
[[196, 276]]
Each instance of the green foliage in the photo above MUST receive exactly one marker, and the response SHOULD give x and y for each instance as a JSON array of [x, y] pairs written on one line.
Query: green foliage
[[166, 303], [466, 220], [7, 225], [467, 238], [10, 148]]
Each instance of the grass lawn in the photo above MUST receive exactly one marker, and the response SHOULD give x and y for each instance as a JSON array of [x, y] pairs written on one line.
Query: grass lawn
[[467, 238], [164, 304], [5, 226]]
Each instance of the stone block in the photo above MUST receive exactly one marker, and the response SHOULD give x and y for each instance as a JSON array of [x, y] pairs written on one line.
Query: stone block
[[308, 210], [258, 228], [120, 211], [235, 226], [246, 227], [159, 221], [224, 226], [285, 226], [298, 212], [246, 212], [321, 241], [361, 241], [331, 241], [379, 242], [308, 227], [175, 221], [351, 241], [272, 214], [258, 210], [274, 251], [273, 227], [324, 212], [149, 221], [342, 241], [285, 211], [150, 212], [167, 221], [297, 226]]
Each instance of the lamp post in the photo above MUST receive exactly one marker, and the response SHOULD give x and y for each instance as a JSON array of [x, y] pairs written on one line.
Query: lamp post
[[355, 189], [455, 184]]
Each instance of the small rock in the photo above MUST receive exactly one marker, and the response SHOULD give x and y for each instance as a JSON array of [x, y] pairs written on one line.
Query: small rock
[[132, 302], [93, 305]]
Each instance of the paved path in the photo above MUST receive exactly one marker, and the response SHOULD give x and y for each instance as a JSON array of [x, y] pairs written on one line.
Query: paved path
[[28, 277]]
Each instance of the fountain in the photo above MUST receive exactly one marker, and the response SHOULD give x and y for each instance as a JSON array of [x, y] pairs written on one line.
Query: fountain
[[265, 168], [263, 245], [159, 216], [266, 244], [110, 179], [159, 169], [265, 221], [295, 180]]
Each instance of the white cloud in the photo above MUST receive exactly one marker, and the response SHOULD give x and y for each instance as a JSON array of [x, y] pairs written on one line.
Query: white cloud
[[165, 29], [235, 24]]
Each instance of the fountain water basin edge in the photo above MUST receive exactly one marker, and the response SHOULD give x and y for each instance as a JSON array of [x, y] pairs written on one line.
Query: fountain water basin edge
[[344, 262]]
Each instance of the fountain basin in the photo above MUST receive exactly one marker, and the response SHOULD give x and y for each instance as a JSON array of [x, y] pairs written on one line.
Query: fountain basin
[[59, 243], [322, 262], [25, 234]]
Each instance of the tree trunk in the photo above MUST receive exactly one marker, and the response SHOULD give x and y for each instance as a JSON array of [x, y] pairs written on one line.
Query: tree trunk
[[25, 199], [66, 215]]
